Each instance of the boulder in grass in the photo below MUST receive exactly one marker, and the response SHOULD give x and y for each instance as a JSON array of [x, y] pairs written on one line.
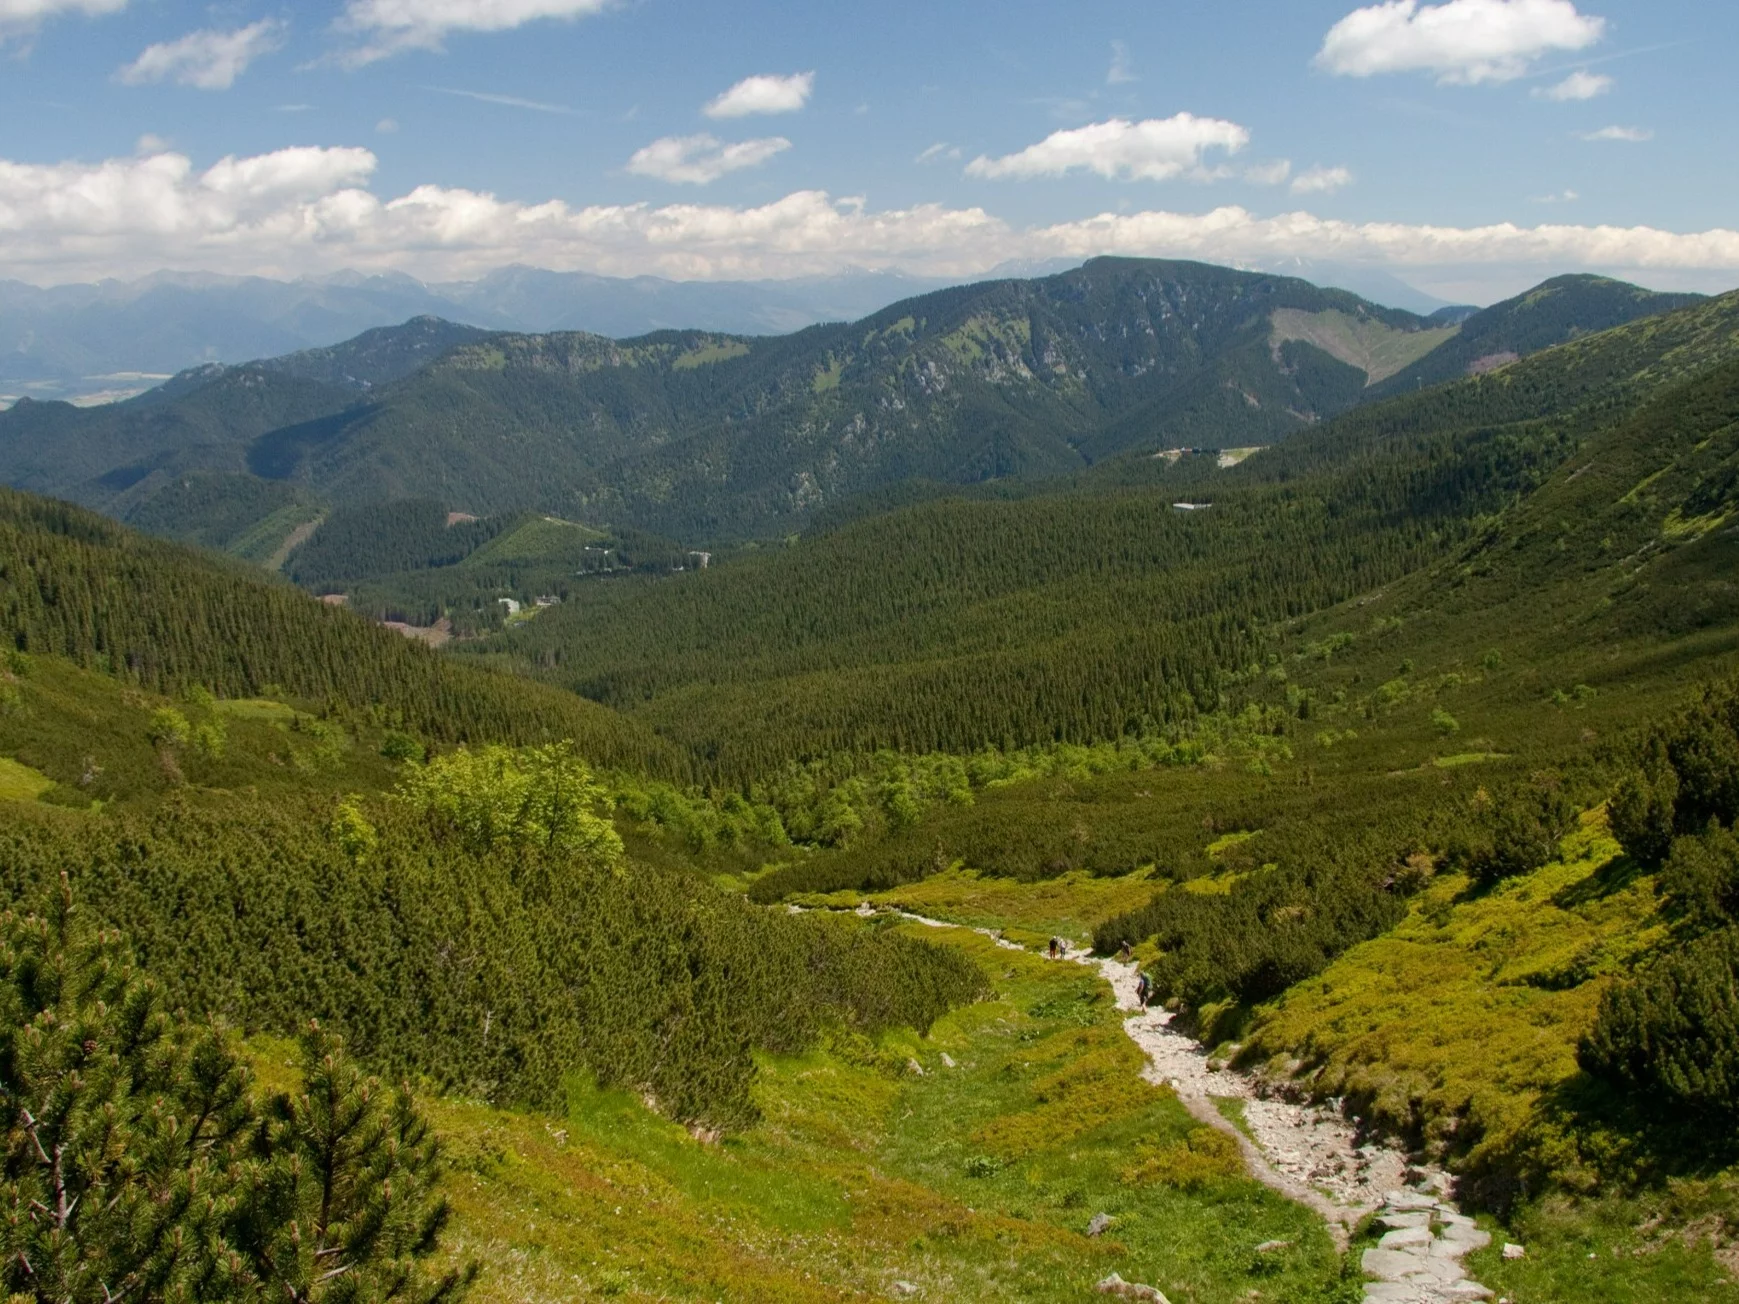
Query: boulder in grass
[[1100, 1224], [1115, 1285]]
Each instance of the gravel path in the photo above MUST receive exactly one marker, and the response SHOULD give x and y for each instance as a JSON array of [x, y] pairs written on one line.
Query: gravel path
[[1314, 1155], [1309, 1153]]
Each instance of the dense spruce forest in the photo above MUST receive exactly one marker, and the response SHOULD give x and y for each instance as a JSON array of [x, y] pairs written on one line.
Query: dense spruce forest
[[1424, 693]]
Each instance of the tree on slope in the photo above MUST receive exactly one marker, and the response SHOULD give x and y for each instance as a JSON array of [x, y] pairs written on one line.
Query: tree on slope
[[136, 1163]]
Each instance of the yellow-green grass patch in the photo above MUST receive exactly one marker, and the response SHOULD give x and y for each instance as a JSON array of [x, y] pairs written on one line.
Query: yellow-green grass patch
[[1071, 905], [19, 782]]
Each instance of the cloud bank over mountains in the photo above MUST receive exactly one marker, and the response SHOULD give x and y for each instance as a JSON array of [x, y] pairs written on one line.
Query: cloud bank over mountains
[[309, 210]]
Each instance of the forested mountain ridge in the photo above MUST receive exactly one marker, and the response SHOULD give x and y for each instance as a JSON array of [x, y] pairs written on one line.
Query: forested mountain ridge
[[699, 434], [76, 586]]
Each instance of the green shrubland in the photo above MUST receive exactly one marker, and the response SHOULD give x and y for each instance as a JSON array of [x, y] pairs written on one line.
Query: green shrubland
[[141, 1161]]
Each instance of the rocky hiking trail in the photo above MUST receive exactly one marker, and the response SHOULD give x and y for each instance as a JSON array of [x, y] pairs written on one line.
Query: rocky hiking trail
[[1312, 1154]]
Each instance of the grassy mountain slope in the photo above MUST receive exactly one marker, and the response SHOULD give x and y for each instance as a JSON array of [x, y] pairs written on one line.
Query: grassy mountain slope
[[1561, 309]]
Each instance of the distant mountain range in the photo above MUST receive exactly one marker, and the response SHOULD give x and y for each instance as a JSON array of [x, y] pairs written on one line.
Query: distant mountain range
[[93, 342], [102, 342], [706, 436]]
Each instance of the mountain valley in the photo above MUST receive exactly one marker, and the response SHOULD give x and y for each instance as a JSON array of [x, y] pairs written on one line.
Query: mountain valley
[[751, 894]]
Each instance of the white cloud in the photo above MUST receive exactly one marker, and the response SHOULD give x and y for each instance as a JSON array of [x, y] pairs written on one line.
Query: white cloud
[[1158, 149], [701, 160], [1579, 85], [1463, 42], [1269, 174], [1122, 70], [1321, 181], [210, 60], [1562, 197], [21, 18], [764, 94], [940, 152], [1630, 135], [305, 211], [389, 27], [387, 126]]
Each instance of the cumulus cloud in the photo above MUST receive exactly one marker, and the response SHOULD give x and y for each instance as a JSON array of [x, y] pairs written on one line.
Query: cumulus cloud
[[1464, 42], [1628, 135], [763, 94], [210, 60], [388, 27], [1321, 181], [1158, 149], [701, 160], [1579, 85], [1269, 174], [21, 17], [309, 210]]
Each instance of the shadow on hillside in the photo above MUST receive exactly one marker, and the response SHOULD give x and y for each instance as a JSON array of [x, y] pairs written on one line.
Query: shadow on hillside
[[1612, 877], [1585, 1137]]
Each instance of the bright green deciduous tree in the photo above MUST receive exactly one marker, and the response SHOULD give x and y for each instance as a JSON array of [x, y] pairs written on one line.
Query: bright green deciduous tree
[[535, 796]]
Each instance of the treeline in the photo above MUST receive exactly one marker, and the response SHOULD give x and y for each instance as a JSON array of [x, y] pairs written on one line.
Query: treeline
[[76, 586], [496, 967]]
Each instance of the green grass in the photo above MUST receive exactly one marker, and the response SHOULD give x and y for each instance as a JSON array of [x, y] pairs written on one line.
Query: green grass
[[1681, 1243], [256, 708], [538, 539], [973, 1182], [707, 354], [20, 782], [1071, 905]]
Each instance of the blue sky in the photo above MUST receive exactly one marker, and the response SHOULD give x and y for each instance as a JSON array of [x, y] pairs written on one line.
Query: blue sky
[[1470, 146]]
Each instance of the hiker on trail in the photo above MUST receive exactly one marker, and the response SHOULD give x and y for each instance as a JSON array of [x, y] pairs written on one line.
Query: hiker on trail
[[1143, 989], [1056, 946], [1123, 952]]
